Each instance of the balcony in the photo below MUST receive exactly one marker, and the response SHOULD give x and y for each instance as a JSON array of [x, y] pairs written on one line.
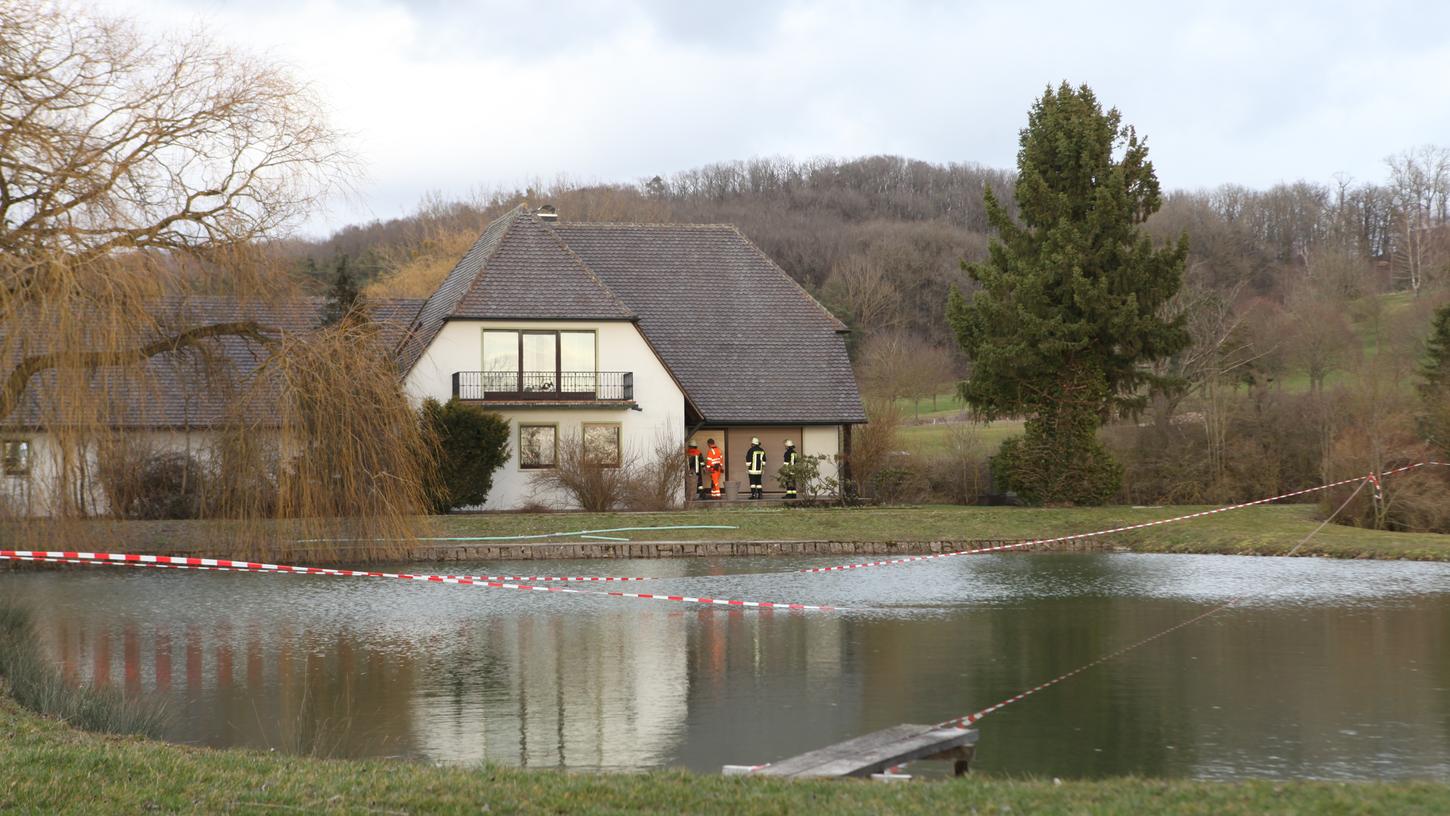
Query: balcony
[[539, 387]]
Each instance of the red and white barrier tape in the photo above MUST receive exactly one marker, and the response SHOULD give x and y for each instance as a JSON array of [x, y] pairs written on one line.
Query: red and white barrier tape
[[228, 565], [252, 566], [1041, 541]]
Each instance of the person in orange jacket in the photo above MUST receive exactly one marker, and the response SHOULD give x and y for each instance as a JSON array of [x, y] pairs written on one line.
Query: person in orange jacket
[[715, 463]]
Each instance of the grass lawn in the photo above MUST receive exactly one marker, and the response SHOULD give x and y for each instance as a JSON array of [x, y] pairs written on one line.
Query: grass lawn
[[52, 768], [922, 440], [946, 403], [1264, 530]]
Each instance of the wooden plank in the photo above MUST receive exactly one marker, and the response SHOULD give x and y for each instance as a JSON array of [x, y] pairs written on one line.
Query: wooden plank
[[874, 752]]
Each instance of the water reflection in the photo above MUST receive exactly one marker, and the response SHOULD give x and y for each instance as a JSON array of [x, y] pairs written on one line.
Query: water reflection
[[1334, 669]]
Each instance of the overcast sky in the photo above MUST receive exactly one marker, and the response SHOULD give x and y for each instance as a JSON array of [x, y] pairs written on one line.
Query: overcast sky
[[454, 96]]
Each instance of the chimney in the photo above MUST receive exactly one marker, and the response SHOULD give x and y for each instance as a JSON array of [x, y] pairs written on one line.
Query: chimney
[[547, 213]]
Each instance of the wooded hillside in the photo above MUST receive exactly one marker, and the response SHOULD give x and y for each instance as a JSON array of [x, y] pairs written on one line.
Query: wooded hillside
[[1308, 305]]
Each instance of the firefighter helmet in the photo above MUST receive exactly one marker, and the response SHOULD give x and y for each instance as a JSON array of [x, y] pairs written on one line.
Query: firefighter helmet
[[789, 444], [755, 440]]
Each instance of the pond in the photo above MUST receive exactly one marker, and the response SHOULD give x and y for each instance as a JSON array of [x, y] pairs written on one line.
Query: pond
[[1327, 669]]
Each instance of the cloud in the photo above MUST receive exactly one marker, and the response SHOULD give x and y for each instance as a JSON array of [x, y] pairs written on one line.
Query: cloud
[[456, 96]]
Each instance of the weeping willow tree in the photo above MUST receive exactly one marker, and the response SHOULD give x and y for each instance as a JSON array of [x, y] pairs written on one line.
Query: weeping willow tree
[[139, 178]]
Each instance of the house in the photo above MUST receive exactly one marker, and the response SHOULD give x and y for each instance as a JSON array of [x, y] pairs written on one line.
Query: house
[[630, 338]]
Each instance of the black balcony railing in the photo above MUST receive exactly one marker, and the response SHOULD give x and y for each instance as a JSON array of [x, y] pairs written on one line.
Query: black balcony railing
[[578, 386]]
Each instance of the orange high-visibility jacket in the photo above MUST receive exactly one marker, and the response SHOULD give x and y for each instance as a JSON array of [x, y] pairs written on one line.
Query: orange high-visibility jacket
[[714, 459]]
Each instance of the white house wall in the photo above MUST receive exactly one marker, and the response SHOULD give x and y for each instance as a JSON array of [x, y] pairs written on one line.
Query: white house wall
[[619, 347], [823, 440], [38, 492]]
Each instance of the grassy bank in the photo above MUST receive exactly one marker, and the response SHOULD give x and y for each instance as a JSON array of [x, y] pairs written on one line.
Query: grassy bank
[[34, 683], [52, 768], [1265, 530]]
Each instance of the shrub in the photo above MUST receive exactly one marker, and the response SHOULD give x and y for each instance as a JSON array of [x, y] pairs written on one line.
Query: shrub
[[873, 444], [472, 444], [1272, 442], [594, 486], [657, 481], [899, 483], [957, 472], [120, 470], [1088, 475], [810, 484], [145, 485]]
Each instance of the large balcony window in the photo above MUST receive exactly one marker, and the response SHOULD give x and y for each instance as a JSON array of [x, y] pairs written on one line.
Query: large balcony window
[[542, 365]]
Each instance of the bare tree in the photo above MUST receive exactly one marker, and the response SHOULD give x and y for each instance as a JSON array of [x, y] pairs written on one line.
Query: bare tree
[[1316, 334], [133, 167], [121, 159], [863, 289], [1420, 184], [897, 365]]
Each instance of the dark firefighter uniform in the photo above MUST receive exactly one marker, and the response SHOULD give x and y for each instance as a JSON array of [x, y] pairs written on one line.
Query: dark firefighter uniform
[[697, 468], [791, 457], [755, 468]]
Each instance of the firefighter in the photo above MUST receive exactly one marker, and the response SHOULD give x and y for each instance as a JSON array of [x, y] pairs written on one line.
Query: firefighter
[[791, 457], [755, 468], [715, 463], [697, 467]]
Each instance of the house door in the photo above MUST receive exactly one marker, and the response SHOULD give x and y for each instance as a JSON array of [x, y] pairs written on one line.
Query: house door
[[540, 361], [772, 438]]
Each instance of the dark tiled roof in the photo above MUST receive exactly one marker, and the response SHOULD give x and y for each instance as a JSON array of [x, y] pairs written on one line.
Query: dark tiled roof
[[532, 274], [442, 302], [195, 388], [517, 270], [745, 340]]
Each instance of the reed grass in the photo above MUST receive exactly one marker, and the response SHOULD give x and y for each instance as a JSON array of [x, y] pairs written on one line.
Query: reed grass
[[33, 683]]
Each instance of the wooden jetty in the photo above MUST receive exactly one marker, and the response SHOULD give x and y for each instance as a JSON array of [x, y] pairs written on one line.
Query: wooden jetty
[[873, 754]]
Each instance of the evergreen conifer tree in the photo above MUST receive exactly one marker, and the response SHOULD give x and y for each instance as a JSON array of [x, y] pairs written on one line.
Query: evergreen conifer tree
[[1071, 305], [1435, 382], [344, 298]]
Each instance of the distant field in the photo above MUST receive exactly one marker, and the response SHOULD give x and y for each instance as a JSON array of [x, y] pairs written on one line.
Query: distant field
[[924, 439], [1396, 306], [943, 404]]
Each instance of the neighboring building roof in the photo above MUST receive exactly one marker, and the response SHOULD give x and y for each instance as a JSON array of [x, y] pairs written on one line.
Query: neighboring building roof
[[195, 388], [746, 342]]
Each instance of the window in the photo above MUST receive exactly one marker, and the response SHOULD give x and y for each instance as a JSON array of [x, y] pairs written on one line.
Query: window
[[576, 361], [500, 351], [17, 457], [548, 362], [601, 443], [538, 446]]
